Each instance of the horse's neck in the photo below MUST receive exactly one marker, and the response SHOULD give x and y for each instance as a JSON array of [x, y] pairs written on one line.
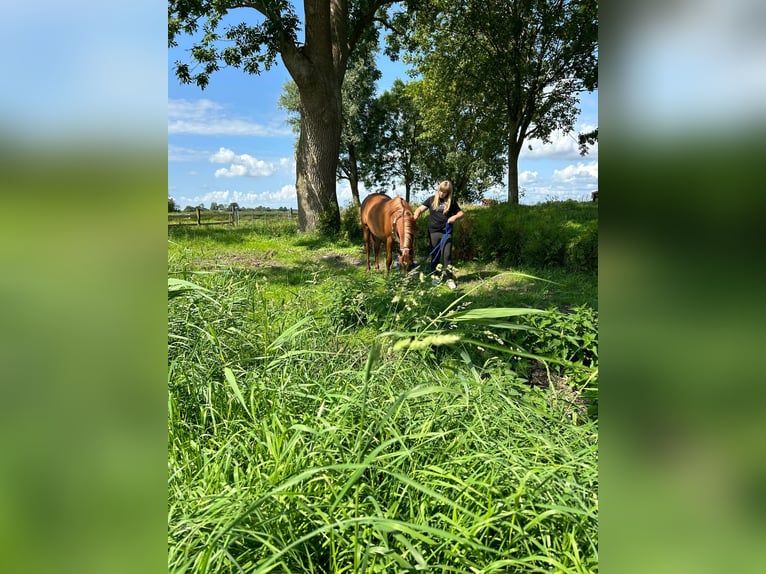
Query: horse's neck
[[404, 238]]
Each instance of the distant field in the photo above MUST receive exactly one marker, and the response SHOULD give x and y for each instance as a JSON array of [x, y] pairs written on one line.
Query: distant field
[[222, 217]]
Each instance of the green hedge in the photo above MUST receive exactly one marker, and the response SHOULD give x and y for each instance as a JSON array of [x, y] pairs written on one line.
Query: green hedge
[[553, 234]]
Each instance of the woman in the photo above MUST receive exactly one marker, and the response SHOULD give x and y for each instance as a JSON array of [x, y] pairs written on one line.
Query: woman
[[443, 211]]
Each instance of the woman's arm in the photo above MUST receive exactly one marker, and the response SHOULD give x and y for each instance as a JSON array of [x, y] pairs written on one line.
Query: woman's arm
[[419, 210], [454, 218]]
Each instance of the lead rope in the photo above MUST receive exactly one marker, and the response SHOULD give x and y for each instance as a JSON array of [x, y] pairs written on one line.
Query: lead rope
[[434, 255]]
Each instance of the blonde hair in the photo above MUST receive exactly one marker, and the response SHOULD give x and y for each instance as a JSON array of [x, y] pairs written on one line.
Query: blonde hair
[[446, 185]]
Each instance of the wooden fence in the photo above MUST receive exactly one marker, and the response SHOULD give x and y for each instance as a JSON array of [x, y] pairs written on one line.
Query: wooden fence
[[233, 217]]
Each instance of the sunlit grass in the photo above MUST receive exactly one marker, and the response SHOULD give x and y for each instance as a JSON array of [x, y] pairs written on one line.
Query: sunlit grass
[[302, 438]]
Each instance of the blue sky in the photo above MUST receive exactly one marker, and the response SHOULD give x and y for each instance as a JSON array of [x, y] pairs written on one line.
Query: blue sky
[[231, 142]]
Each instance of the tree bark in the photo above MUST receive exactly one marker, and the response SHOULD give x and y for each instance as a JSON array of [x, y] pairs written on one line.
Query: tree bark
[[353, 175], [513, 174], [316, 160], [318, 68]]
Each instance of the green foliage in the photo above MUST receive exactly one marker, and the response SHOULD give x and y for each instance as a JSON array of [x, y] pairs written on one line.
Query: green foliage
[[329, 223], [582, 250], [351, 225], [406, 305], [554, 234], [567, 335], [294, 446], [395, 150], [401, 303], [487, 93]]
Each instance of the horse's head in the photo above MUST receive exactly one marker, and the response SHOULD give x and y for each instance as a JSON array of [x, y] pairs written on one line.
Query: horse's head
[[405, 259]]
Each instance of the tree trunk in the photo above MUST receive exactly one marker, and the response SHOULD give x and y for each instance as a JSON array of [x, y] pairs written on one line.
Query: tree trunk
[[513, 174], [318, 68], [317, 158], [353, 175]]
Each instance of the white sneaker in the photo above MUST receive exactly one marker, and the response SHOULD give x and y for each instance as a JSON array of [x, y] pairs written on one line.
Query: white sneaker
[[451, 284]]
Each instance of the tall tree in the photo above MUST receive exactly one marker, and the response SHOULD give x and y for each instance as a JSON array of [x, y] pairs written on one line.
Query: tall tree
[[393, 148], [519, 65], [459, 141], [317, 63], [358, 95], [358, 98]]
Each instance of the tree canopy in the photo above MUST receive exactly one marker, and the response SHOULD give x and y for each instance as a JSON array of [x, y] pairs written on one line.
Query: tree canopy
[[514, 67]]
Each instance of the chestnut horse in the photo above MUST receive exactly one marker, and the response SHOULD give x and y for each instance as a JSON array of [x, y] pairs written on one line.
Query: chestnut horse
[[392, 220]]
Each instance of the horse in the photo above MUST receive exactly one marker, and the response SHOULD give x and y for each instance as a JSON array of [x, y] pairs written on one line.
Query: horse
[[391, 219]]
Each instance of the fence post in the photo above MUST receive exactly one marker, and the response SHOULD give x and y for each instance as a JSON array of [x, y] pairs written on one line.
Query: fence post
[[199, 217], [291, 213]]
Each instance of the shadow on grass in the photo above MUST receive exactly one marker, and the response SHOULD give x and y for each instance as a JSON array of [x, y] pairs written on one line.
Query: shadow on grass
[[496, 288], [552, 288], [306, 271], [318, 242]]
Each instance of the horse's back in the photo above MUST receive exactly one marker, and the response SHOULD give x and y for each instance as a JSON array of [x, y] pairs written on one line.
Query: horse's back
[[373, 213]]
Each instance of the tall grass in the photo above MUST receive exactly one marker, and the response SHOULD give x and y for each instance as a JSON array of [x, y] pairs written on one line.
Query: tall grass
[[301, 440]]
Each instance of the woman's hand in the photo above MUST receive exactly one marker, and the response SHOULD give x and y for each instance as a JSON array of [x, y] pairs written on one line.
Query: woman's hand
[[455, 217]]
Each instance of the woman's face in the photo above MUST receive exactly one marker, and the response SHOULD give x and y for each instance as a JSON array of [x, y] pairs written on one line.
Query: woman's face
[[443, 194]]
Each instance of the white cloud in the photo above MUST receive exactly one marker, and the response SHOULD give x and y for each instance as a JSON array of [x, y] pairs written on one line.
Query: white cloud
[[527, 177], [182, 154], [208, 118], [562, 146], [283, 197], [245, 165], [577, 173]]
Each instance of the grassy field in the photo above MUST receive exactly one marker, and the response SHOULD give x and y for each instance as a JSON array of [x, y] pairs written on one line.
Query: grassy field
[[324, 420]]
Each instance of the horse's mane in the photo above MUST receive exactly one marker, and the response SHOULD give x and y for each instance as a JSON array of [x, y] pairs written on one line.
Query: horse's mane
[[398, 208]]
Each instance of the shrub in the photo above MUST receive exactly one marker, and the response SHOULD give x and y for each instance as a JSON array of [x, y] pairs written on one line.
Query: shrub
[[544, 246], [582, 251], [554, 234], [497, 234], [351, 225]]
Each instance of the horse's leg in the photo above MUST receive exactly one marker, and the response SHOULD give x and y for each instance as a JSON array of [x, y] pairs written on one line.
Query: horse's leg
[[389, 249], [376, 244], [366, 232]]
